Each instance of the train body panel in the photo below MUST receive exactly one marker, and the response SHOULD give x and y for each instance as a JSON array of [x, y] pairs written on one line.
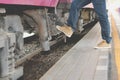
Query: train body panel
[[47, 3]]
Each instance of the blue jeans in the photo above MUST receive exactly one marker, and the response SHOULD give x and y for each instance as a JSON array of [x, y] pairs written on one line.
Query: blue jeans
[[100, 9]]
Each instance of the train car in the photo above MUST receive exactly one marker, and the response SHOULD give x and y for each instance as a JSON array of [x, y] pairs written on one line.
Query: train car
[[32, 16]]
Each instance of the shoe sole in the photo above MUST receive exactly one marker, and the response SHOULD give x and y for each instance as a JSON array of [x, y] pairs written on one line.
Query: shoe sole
[[102, 47]]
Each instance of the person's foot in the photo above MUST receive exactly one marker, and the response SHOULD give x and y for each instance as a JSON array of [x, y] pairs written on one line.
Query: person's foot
[[67, 30], [103, 44]]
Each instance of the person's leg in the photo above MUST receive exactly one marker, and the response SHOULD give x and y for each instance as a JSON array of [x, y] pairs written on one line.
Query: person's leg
[[100, 8], [74, 12], [73, 17]]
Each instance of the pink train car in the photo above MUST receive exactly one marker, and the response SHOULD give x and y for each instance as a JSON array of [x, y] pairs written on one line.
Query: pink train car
[[48, 3], [39, 15]]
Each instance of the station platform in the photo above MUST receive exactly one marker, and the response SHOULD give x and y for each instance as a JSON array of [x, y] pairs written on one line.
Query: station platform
[[83, 61], [115, 56], [116, 15]]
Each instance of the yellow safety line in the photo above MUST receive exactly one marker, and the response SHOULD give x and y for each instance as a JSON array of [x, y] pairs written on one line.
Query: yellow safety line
[[116, 45]]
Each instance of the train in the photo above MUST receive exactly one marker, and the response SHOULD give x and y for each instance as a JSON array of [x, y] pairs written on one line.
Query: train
[[40, 17]]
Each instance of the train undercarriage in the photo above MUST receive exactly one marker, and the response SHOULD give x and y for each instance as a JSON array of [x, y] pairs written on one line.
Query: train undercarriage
[[16, 20]]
